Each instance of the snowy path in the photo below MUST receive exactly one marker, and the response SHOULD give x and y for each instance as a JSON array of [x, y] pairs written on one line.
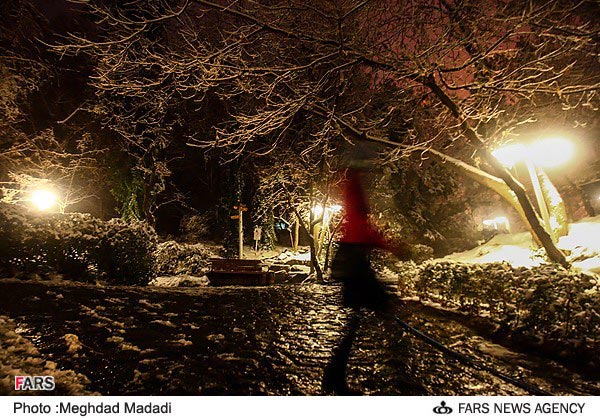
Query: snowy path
[[268, 340]]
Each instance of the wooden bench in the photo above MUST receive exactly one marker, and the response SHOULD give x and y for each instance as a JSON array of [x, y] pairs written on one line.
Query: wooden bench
[[227, 272]]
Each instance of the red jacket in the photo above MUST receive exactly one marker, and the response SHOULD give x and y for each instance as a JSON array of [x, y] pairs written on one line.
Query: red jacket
[[356, 228]]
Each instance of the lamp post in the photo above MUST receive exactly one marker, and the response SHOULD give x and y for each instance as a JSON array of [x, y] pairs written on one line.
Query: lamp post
[[549, 152]]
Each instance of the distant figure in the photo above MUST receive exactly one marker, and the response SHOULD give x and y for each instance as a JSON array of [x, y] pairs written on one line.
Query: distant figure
[[352, 267], [257, 233]]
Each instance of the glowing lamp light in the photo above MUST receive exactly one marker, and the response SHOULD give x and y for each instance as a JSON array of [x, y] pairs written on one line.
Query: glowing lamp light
[[336, 208], [325, 213], [510, 154], [497, 223], [551, 152], [317, 211], [43, 200]]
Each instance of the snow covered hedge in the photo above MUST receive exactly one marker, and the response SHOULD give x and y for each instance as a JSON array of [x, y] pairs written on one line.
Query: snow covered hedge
[[547, 305], [174, 259], [76, 245], [418, 254]]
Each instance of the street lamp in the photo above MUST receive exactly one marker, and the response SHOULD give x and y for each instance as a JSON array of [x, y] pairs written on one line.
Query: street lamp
[[510, 155], [43, 199], [319, 210], [325, 214], [550, 152]]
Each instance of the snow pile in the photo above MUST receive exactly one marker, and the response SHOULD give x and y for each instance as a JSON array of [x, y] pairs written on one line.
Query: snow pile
[[285, 265], [516, 249], [122, 344], [73, 344], [18, 357], [165, 281], [582, 245], [184, 280], [290, 257], [176, 259], [286, 257]]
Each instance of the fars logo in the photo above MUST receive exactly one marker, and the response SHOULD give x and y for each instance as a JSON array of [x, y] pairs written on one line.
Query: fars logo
[[34, 383], [442, 408]]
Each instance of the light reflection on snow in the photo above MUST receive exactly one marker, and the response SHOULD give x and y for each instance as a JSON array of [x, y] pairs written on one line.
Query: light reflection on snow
[[514, 255], [582, 245]]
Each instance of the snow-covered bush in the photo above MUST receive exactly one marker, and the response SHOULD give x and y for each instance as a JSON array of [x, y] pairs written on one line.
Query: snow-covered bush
[[420, 252], [547, 304], [173, 258], [417, 254], [127, 252], [408, 274], [76, 245]]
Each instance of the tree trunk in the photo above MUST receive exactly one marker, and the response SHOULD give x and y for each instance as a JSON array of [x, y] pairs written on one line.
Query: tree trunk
[[314, 261], [554, 254], [147, 203], [557, 210], [487, 180], [296, 235], [330, 243]]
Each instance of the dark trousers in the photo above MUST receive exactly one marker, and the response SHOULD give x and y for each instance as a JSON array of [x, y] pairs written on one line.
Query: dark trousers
[[361, 290], [334, 378]]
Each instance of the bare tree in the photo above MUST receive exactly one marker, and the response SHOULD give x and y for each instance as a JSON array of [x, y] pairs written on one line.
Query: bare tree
[[300, 186], [43, 162], [457, 76], [31, 153]]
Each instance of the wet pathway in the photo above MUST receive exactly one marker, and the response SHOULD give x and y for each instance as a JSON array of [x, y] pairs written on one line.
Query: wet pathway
[[259, 340]]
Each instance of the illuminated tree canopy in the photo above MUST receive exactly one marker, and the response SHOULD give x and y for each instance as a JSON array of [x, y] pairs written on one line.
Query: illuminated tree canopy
[[243, 79]]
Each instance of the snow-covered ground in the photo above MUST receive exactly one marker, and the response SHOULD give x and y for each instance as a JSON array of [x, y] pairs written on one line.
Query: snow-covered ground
[[582, 245], [279, 254], [183, 280], [19, 357]]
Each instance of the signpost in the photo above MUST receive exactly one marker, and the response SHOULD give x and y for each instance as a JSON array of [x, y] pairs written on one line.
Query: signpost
[[241, 208]]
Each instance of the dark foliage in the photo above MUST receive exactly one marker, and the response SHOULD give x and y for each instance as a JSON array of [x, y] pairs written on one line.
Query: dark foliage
[[75, 245]]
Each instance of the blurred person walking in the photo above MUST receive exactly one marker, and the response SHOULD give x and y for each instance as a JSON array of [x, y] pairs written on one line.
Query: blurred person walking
[[352, 267]]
